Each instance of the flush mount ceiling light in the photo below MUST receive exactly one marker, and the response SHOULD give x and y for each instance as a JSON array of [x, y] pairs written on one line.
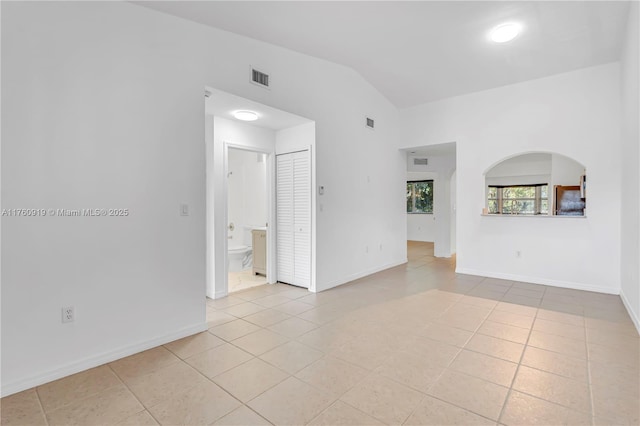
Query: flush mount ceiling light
[[505, 32], [246, 115]]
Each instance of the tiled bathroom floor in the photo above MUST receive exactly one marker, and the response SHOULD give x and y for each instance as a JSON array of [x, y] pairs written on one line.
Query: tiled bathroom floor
[[244, 280], [416, 344]]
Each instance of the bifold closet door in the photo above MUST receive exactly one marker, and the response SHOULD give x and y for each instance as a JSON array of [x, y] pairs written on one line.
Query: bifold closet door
[[293, 222]]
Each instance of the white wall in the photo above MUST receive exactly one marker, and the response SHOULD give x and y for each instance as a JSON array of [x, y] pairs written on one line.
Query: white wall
[[247, 194], [565, 171], [114, 118], [520, 170], [421, 227], [296, 138], [532, 164], [574, 114], [454, 207], [630, 265]]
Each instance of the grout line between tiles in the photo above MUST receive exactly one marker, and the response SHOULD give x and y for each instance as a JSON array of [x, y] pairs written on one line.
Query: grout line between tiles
[[145, 408], [591, 401], [83, 397], [44, 413], [450, 362], [524, 349]]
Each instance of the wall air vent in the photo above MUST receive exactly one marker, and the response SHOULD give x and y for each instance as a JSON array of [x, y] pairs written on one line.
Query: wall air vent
[[420, 161], [260, 78], [370, 123]]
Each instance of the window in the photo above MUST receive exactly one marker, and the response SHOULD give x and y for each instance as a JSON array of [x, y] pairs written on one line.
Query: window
[[420, 196], [523, 199]]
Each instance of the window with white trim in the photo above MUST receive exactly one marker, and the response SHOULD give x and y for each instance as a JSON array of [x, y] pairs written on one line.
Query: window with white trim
[[518, 199], [420, 196]]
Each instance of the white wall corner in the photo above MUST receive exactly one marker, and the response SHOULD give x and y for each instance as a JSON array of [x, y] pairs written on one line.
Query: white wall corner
[[538, 280], [632, 314], [353, 277]]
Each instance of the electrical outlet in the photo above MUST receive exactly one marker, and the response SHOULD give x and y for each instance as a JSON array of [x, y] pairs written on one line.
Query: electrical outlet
[[68, 314]]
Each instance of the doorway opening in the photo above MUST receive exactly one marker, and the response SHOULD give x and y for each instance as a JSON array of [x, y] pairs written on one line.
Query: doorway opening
[[431, 198], [241, 216], [247, 218]]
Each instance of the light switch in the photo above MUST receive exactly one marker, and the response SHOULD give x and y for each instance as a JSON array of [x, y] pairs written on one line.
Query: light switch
[[321, 190], [184, 209]]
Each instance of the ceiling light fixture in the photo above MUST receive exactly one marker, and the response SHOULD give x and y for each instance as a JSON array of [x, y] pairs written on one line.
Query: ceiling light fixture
[[505, 32], [246, 115]]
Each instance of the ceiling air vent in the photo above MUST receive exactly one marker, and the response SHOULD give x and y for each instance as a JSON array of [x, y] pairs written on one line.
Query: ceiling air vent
[[420, 161], [259, 77], [370, 123]]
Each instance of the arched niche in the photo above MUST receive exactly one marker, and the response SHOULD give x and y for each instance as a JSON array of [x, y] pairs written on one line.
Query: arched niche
[[535, 184]]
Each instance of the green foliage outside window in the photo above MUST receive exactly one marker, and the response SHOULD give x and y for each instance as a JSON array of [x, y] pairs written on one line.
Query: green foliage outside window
[[526, 199], [420, 196]]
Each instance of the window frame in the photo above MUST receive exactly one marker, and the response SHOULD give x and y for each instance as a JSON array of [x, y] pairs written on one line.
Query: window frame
[[413, 196], [537, 200]]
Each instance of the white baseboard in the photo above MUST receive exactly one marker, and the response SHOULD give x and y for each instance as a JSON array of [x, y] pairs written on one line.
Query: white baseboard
[[361, 274], [96, 360], [633, 314], [220, 294], [538, 280]]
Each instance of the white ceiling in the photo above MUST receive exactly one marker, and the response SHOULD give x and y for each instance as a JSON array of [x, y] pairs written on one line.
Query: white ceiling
[[223, 104], [419, 51]]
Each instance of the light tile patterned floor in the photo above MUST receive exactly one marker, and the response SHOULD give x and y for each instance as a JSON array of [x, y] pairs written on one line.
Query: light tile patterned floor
[[416, 344], [244, 280]]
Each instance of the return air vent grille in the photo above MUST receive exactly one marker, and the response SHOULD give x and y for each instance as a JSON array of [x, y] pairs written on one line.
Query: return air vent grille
[[420, 161], [260, 78], [370, 123]]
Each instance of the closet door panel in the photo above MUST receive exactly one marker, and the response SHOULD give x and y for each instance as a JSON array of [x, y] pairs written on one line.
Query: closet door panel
[[302, 218], [284, 219]]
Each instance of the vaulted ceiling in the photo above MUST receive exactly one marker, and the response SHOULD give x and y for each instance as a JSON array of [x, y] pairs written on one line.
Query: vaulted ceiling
[[420, 51]]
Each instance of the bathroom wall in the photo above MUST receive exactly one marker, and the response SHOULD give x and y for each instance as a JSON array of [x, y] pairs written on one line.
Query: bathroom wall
[[247, 193]]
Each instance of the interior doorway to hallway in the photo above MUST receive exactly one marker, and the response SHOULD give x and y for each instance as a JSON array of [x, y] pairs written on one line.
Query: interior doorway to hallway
[[431, 196]]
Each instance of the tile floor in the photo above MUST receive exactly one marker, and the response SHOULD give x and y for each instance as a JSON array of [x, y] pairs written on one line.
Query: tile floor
[[416, 344], [244, 280]]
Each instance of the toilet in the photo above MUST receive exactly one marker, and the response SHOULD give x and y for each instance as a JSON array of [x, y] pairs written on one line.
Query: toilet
[[237, 258], [239, 254]]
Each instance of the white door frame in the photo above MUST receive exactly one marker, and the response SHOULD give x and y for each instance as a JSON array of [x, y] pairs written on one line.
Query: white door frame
[[221, 226]]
